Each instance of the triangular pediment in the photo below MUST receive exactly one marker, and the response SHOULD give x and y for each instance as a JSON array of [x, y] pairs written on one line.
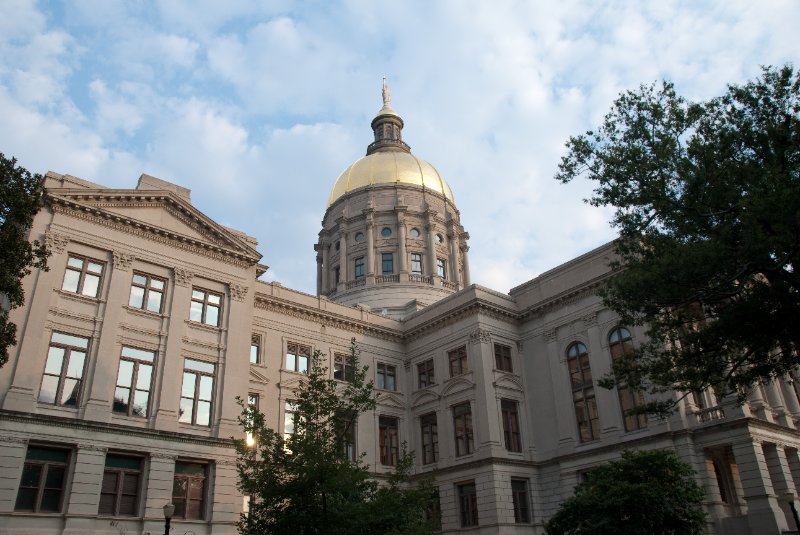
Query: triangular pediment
[[390, 400], [256, 377]]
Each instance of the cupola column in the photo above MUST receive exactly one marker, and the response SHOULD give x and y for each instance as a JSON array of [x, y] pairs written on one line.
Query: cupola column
[[464, 250], [369, 216], [319, 274], [430, 230], [343, 271], [326, 267], [452, 237], [401, 241]]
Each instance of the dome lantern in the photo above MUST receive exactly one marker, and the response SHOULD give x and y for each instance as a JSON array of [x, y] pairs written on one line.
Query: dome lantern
[[387, 127]]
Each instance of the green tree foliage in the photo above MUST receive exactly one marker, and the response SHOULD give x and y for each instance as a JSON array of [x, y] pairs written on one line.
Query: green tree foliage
[[20, 198], [707, 203], [644, 493], [306, 483]]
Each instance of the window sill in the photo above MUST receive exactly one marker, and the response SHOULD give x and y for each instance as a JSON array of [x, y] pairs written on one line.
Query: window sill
[[204, 326], [143, 312], [78, 297]]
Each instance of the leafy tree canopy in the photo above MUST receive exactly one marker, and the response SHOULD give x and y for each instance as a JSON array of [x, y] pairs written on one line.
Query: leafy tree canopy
[[305, 483], [644, 493], [707, 203], [20, 198]]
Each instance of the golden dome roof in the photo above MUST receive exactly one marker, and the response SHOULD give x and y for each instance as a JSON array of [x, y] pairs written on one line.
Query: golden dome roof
[[390, 167]]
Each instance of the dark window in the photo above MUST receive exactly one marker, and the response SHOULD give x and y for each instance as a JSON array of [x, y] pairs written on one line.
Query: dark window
[[341, 368], [147, 292], [519, 495], [255, 349], [205, 307], [430, 438], [416, 263], [425, 373], [336, 273], [387, 261], [43, 478], [297, 356], [63, 371], [511, 425], [134, 379], [440, 238], [462, 425], [502, 358], [467, 504], [386, 377], [620, 342], [337, 245], [197, 392], [359, 267], [458, 361], [119, 493], [583, 392], [386, 232], [388, 438], [359, 236], [346, 435], [189, 489], [440, 268], [83, 276]]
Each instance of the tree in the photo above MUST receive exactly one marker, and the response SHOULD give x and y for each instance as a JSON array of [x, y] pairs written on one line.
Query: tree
[[20, 198], [307, 483], [707, 203], [644, 493]]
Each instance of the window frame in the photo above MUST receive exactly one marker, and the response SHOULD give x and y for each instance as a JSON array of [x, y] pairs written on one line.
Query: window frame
[[120, 473], [502, 358], [41, 483], [512, 435], [520, 499], [388, 440], [134, 381], [191, 477], [387, 261], [416, 263], [426, 369], [620, 342], [429, 428], [582, 384], [358, 268], [441, 268], [255, 342], [83, 273], [297, 355], [199, 374], [463, 430], [458, 359], [342, 371], [205, 305], [63, 377], [384, 372], [147, 289], [467, 495]]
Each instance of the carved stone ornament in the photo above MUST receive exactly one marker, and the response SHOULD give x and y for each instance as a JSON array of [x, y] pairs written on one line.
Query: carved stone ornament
[[92, 447], [549, 335], [238, 291], [183, 277], [122, 261], [164, 456], [520, 346], [590, 320], [479, 336], [56, 242]]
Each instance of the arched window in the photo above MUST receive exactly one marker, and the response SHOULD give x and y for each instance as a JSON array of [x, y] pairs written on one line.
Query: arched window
[[583, 392], [619, 343]]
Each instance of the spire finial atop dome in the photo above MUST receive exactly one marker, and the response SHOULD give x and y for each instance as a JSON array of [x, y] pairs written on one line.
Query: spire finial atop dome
[[387, 126], [387, 98]]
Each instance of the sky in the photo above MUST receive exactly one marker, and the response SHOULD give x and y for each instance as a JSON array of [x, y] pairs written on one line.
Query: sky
[[257, 107]]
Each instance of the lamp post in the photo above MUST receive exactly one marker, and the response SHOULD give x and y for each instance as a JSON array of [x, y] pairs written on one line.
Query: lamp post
[[169, 510]]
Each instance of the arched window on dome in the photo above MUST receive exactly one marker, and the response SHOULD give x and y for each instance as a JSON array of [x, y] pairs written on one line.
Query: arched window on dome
[[620, 342], [414, 232], [580, 373]]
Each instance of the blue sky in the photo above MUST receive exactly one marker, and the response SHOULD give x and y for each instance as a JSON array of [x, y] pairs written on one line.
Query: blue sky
[[259, 106]]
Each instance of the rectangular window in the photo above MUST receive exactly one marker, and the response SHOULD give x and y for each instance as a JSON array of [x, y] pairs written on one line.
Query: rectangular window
[[386, 377], [425, 373], [458, 361], [63, 371], [189, 490], [147, 292], [134, 380], [416, 263], [44, 475], [387, 263], [467, 504], [441, 268], [197, 392], [359, 267], [430, 438], [252, 401], [255, 349], [336, 273], [341, 368], [583, 398], [83, 276], [502, 358], [388, 438], [511, 425], [462, 425], [289, 414], [205, 307], [519, 495], [119, 493], [297, 356], [346, 435]]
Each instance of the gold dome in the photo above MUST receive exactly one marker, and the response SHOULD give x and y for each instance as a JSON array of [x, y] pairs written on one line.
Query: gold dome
[[390, 167]]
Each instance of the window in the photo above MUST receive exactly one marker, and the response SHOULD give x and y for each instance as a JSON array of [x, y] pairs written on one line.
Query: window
[[502, 358], [359, 236], [416, 263], [386, 377], [197, 392], [439, 238], [519, 495], [430, 438], [252, 401], [462, 424], [297, 357], [189, 489], [511, 434], [440, 268], [620, 342], [83, 276], [458, 361], [346, 435], [583, 392], [414, 232], [387, 262], [205, 307], [467, 504], [386, 232], [359, 267], [342, 370], [147, 292], [134, 379], [255, 349], [425, 373], [336, 275], [119, 493], [43, 477], [63, 371], [337, 245], [388, 440], [289, 415]]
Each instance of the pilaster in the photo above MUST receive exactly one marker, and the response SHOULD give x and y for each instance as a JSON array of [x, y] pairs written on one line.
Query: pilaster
[[764, 514]]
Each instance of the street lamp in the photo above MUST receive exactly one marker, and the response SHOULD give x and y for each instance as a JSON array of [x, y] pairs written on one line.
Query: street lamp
[[169, 510]]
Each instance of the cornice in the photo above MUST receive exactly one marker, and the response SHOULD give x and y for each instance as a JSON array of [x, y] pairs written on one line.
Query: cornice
[[565, 298]]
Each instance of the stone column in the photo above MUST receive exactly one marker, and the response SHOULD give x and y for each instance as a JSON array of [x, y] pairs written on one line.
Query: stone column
[[319, 274], [764, 514], [12, 459], [160, 479], [84, 493], [370, 250], [452, 238], [344, 263], [227, 501], [790, 395], [231, 382], [430, 249], [486, 420], [781, 476], [401, 249], [608, 406], [775, 400], [326, 267], [562, 395], [464, 250], [757, 404]]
